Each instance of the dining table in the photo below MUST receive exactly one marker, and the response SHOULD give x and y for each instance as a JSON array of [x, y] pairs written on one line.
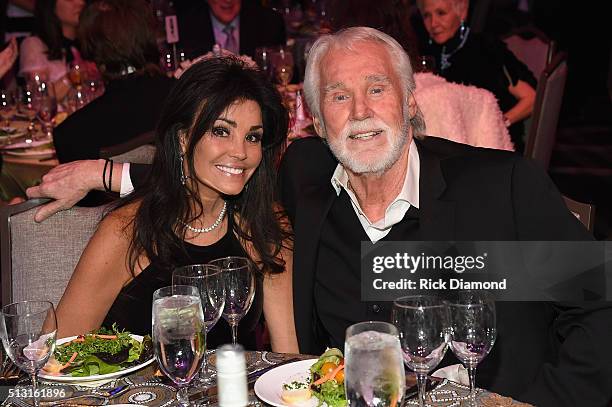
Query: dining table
[[149, 387], [26, 157]]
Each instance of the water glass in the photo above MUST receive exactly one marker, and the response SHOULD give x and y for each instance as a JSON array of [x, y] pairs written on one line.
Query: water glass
[[422, 322], [179, 335], [472, 330], [373, 371], [239, 281], [28, 330], [208, 279]]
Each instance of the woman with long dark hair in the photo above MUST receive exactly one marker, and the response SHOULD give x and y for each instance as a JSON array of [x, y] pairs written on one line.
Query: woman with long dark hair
[[218, 141], [54, 45]]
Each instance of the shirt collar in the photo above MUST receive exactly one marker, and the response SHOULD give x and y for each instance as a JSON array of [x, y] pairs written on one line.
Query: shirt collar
[[219, 26], [410, 189]]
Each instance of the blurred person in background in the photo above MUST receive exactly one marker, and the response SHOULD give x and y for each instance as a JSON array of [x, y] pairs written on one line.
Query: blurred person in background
[[236, 25], [53, 47], [472, 59], [388, 16], [119, 36]]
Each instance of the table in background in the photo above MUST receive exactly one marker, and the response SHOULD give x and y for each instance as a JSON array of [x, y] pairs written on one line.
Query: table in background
[[18, 174], [147, 389]]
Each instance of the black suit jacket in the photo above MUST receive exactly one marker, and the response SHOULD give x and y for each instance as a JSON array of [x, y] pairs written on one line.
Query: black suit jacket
[[546, 354], [259, 27], [129, 107]]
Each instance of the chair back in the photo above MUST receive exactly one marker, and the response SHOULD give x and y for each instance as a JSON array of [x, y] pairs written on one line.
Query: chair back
[[584, 212], [137, 150], [545, 116], [39, 258], [530, 46]]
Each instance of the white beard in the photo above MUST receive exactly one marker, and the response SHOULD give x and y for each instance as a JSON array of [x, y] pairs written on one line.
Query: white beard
[[377, 163]]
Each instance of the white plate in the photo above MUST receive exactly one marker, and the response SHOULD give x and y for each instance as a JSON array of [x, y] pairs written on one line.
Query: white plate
[[74, 379], [270, 385], [46, 153], [29, 144]]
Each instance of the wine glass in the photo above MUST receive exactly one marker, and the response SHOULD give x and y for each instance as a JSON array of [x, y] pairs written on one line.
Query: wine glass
[[373, 369], [282, 60], [75, 74], [239, 281], [263, 57], [208, 280], [28, 330], [179, 335], [7, 107], [46, 107], [422, 322], [472, 330]]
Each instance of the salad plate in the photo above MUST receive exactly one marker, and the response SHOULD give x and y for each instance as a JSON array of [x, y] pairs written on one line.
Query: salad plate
[[67, 378], [269, 386]]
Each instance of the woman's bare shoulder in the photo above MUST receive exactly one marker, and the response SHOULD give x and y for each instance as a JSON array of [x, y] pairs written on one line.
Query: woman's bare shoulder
[[119, 221]]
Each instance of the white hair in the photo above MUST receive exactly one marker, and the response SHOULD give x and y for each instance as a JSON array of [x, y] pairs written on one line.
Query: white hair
[[345, 39]]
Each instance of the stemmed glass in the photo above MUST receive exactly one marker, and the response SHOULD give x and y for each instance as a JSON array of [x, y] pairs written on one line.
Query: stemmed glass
[[208, 279], [282, 60], [263, 57], [472, 330], [373, 370], [179, 335], [46, 107], [28, 330], [7, 107], [239, 281], [422, 322]]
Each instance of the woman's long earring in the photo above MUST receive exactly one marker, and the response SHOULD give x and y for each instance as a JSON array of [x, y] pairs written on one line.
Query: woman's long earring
[[462, 30], [183, 177]]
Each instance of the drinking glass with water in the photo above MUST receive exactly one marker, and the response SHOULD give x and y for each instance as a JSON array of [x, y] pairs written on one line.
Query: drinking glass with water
[[373, 369]]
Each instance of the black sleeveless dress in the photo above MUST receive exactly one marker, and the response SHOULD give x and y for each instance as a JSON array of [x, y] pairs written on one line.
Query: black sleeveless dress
[[132, 307]]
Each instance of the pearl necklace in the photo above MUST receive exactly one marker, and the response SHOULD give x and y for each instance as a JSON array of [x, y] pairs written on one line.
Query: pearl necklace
[[211, 227]]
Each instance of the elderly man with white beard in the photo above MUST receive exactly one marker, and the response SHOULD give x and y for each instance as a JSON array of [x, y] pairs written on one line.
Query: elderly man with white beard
[[380, 179], [374, 176]]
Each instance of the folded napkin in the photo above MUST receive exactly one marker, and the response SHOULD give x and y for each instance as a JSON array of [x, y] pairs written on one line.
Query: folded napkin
[[455, 373]]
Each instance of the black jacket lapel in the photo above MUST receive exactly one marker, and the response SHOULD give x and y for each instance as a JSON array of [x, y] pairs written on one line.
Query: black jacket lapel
[[437, 219]]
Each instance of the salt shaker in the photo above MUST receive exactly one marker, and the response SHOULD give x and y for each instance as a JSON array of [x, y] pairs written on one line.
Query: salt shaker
[[231, 376]]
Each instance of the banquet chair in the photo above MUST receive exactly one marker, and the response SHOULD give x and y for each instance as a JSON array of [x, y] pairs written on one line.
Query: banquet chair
[[39, 258], [532, 47], [138, 150], [584, 212], [545, 116]]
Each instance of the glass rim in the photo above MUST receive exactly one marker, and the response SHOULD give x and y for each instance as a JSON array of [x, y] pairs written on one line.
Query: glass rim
[[249, 263], [217, 270], [364, 323], [5, 307], [396, 302], [173, 287]]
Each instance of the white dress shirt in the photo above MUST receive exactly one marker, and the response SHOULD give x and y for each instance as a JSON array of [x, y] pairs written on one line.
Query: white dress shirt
[[409, 195]]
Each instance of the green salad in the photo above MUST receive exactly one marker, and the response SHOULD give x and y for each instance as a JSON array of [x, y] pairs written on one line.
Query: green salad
[[100, 352], [327, 378]]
